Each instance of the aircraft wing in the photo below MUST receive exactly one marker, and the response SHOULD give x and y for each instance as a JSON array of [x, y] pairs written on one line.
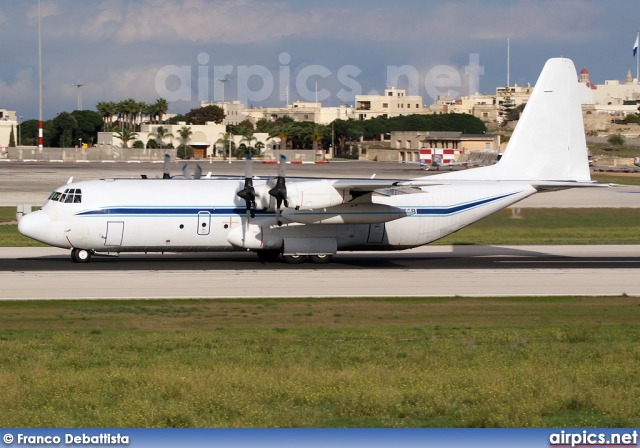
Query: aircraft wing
[[563, 185], [369, 185]]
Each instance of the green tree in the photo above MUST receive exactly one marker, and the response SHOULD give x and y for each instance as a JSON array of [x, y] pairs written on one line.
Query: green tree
[[125, 135], [89, 124], [152, 143], [12, 139], [283, 131], [177, 119], [345, 131], [202, 115], [106, 109], [29, 133], [185, 134], [225, 141], [160, 134], [64, 125], [161, 108], [317, 133], [247, 136], [616, 140]]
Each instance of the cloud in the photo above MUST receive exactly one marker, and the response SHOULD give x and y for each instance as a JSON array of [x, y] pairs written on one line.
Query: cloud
[[20, 90], [116, 47], [251, 21]]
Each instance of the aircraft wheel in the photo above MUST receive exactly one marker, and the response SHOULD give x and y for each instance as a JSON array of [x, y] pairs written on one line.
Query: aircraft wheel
[[294, 259], [321, 259], [81, 255], [268, 256]]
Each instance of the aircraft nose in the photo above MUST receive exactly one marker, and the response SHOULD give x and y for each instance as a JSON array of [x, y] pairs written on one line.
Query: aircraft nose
[[36, 225]]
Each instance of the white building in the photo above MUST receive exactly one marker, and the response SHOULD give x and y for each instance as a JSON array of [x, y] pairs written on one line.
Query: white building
[[234, 111], [7, 122], [303, 111], [393, 103]]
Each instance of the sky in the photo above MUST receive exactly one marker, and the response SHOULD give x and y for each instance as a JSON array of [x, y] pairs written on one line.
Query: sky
[[274, 51]]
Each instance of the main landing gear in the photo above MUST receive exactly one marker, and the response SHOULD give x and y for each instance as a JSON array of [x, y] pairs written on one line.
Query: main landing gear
[[81, 255], [299, 259], [269, 256]]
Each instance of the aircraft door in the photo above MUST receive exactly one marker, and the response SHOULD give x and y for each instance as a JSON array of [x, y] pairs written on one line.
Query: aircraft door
[[115, 232], [204, 223]]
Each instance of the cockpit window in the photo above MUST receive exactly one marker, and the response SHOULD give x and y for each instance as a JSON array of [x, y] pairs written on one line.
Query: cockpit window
[[70, 195]]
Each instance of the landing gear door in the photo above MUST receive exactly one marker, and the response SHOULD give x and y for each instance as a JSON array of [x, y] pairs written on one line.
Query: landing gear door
[[376, 233], [115, 232], [204, 222]]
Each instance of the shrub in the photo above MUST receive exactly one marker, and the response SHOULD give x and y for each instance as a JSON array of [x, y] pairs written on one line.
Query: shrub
[[617, 140]]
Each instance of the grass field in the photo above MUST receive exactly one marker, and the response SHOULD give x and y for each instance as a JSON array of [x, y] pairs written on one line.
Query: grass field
[[534, 226], [453, 362]]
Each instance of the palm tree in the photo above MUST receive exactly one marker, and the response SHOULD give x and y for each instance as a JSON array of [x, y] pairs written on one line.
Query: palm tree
[[136, 112], [247, 136], [162, 106], [283, 132], [106, 109], [225, 141], [150, 111], [160, 134], [316, 135], [125, 135], [185, 134]]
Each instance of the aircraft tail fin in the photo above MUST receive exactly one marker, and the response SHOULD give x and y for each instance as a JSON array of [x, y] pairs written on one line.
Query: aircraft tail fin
[[548, 142]]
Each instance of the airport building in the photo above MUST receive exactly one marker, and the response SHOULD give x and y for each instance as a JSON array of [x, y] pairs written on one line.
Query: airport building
[[8, 121], [393, 103]]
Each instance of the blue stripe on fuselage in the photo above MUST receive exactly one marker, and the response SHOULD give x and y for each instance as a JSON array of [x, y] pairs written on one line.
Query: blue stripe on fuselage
[[454, 209], [177, 211]]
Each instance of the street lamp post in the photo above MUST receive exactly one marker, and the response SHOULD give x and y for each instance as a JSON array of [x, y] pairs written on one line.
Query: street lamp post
[[20, 118], [79, 95]]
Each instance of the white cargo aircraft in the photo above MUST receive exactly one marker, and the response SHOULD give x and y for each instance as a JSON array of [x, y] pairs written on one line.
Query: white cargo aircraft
[[547, 152]]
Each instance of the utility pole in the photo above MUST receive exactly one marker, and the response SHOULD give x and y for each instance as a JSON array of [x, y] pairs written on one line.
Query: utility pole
[[79, 95], [333, 143], [223, 80], [20, 118], [508, 58], [39, 83]]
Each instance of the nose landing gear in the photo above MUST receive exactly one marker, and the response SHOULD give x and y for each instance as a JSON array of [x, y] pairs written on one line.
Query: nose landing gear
[[80, 255]]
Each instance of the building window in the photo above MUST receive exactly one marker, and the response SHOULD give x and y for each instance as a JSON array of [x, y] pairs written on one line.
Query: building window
[[408, 106], [385, 105], [390, 94]]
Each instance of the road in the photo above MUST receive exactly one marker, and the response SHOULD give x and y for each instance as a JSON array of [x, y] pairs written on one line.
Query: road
[[32, 182], [48, 273]]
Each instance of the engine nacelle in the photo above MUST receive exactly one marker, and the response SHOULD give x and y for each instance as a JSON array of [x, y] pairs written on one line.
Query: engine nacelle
[[257, 235], [305, 195], [350, 213]]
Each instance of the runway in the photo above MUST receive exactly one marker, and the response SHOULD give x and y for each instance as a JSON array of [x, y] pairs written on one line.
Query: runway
[[430, 271], [48, 273]]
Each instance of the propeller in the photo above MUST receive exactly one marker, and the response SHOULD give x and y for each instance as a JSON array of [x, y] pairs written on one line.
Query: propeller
[[279, 191], [166, 174], [185, 171], [198, 173], [248, 193]]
